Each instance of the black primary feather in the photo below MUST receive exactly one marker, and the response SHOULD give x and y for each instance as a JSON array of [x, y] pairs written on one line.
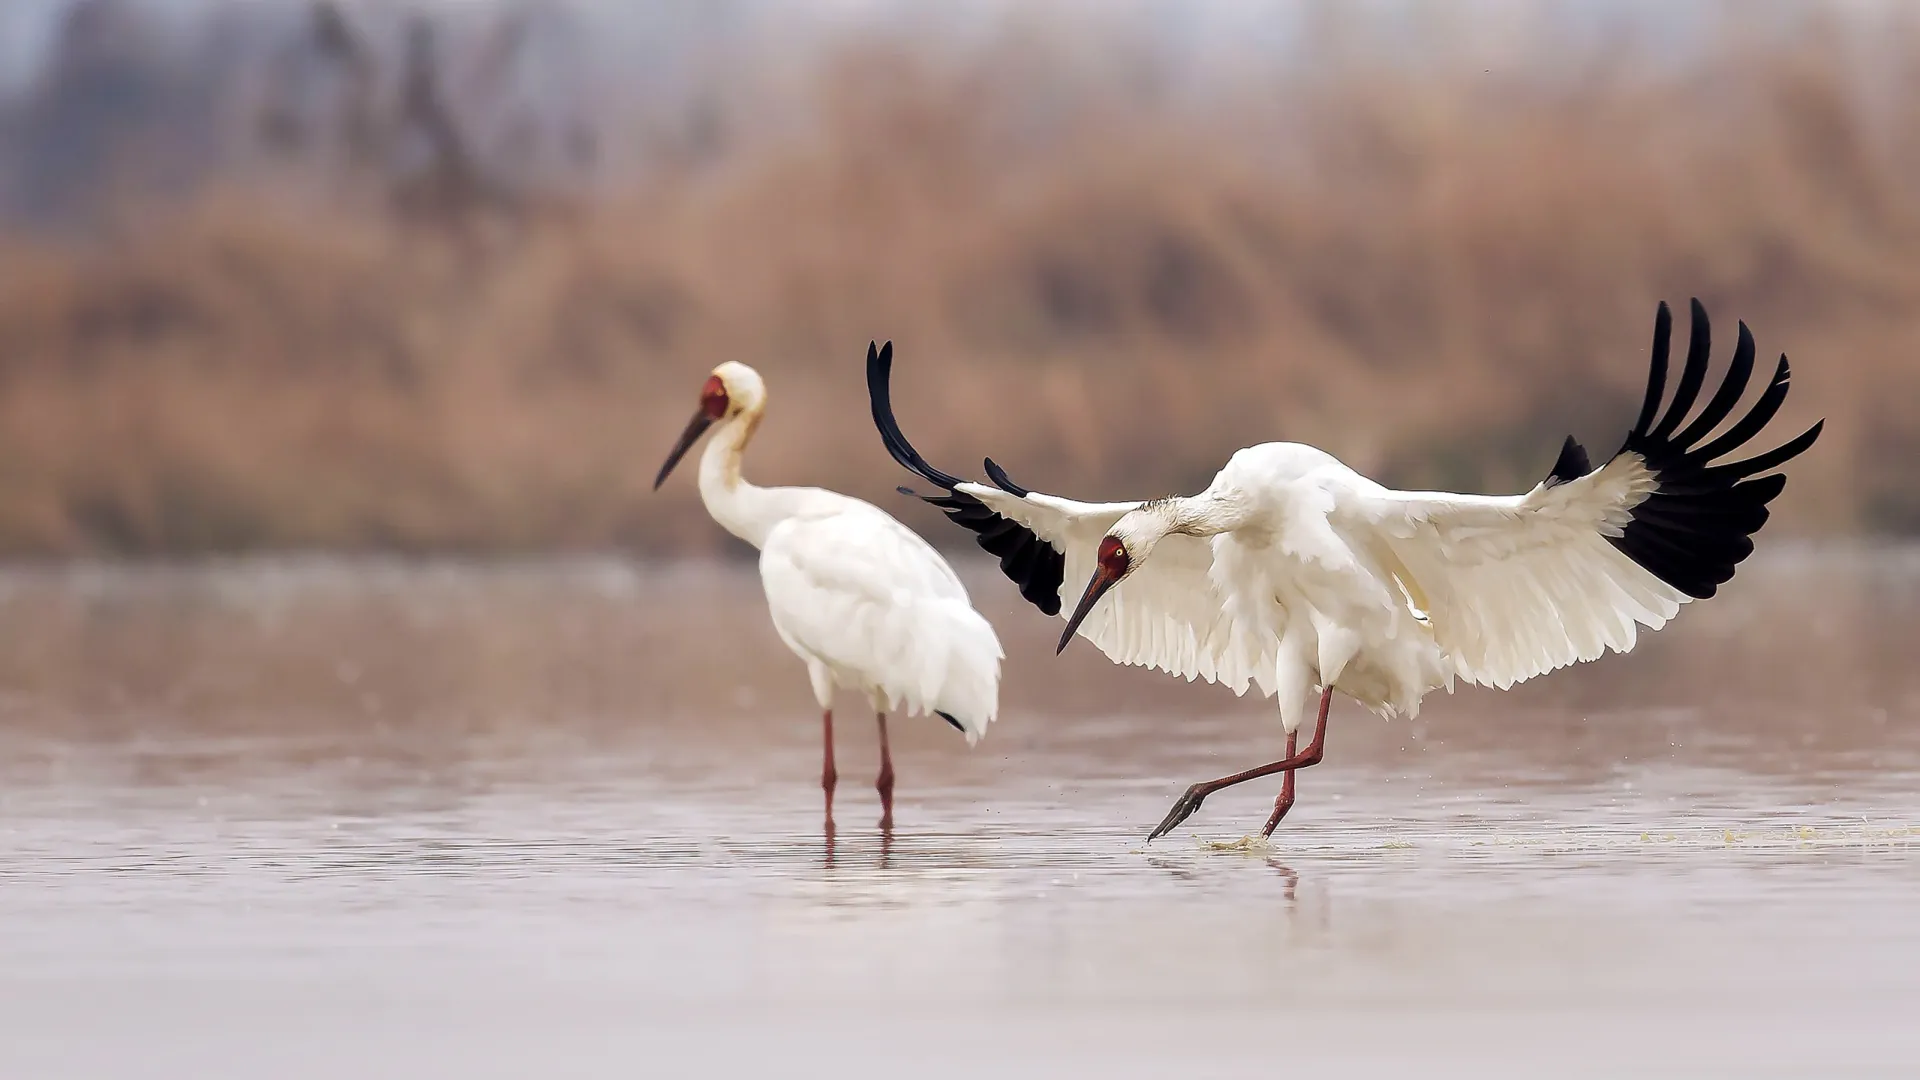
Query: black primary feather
[[1657, 378], [1004, 482], [1693, 375], [1572, 464], [1698, 524], [1030, 562]]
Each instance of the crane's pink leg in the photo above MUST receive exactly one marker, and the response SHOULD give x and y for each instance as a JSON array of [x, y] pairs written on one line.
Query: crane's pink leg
[[1285, 802], [828, 777], [885, 783], [1197, 794]]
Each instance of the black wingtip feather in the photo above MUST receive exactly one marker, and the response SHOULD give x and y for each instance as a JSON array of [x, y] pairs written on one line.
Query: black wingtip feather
[[950, 718], [1693, 374], [1004, 482], [1731, 387], [1657, 376], [1749, 425], [1036, 566], [1572, 464], [1698, 523], [880, 396]]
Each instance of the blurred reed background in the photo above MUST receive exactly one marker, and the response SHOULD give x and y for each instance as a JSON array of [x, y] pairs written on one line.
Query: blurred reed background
[[423, 276]]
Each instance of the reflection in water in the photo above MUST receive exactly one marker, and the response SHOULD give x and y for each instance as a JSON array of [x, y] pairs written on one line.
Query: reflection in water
[[1288, 875], [521, 819]]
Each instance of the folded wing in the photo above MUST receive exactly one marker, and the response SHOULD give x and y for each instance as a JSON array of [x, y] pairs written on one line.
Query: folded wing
[[1520, 585], [863, 594]]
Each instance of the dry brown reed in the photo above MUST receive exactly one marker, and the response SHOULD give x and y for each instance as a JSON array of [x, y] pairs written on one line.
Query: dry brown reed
[[1434, 272]]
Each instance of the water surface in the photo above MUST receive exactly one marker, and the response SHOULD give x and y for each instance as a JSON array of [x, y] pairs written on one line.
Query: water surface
[[308, 819]]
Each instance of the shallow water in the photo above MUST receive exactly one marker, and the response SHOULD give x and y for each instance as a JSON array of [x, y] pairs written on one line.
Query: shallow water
[[562, 819]]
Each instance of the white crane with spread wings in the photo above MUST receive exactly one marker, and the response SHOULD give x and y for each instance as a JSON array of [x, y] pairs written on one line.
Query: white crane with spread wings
[[1293, 573]]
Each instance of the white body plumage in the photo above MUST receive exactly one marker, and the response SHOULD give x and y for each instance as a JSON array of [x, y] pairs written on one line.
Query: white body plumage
[[869, 606], [1291, 572]]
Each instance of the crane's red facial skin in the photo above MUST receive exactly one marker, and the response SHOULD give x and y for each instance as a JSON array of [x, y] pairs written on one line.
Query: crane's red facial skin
[[713, 398], [1113, 557]]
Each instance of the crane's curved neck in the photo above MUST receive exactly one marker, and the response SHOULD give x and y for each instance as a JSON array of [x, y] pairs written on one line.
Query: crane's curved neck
[[1207, 514], [742, 509]]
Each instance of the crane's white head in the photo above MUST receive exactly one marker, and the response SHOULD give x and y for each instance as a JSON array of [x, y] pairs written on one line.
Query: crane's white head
[[734, 389], [1121, 551]]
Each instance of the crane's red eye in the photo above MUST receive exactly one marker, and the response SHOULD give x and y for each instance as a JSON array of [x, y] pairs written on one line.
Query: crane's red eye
[[1113, 556], [713, 397]]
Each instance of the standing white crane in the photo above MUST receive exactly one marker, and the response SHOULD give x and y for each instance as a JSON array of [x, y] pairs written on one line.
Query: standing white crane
[[864, 601], [1296, 574]]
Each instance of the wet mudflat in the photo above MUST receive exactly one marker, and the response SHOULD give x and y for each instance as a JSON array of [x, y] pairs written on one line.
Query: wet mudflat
[[309, 819]]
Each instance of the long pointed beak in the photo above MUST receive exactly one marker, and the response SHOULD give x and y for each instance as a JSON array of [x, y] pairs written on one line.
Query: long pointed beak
[[1096, 588], [701, 422]]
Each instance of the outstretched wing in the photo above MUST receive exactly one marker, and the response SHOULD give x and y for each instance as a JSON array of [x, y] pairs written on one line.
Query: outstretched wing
[[1520, 585], [1165, 615]]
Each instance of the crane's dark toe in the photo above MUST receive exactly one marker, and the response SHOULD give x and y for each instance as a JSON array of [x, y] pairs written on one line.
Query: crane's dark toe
[[1182, 810]]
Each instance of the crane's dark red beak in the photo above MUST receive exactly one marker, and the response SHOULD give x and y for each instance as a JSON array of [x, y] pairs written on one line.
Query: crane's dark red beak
[[1103, 579], [1111, 563], [713, 406], [695, 428]]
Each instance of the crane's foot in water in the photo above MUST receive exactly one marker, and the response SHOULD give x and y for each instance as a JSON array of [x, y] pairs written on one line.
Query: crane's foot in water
[[1182, 810]]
